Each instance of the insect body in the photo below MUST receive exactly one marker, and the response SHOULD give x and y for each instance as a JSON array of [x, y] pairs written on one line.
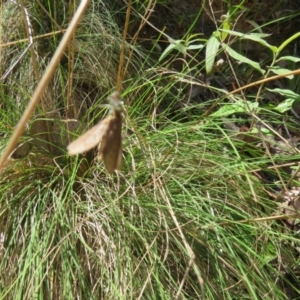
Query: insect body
[[108, 133]]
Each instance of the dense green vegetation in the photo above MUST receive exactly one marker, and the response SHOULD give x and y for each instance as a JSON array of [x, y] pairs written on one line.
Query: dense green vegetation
[[210, 151]]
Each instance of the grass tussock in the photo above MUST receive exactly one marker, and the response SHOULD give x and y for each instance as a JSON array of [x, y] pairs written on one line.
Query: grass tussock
[[189, 215]]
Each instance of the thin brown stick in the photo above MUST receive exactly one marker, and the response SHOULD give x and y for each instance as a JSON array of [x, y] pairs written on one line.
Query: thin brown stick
[[121, 62], [34, 38], [149, 9], [43, 83], [71, 56]]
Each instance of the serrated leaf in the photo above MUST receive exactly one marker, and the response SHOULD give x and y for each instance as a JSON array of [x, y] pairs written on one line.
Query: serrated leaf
[[212, 48], [244, 59]]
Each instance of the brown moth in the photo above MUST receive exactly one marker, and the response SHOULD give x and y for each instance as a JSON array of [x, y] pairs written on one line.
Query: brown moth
[[108, 133]]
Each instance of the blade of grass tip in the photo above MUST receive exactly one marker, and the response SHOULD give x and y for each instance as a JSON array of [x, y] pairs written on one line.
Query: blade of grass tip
[[43, 83]]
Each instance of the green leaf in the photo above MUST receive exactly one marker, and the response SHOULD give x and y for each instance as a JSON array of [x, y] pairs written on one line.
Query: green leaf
[[195, 47], [232, 108], [225, 26], [212, 48], [256, 37], [243, 59], [291, 58], [284, 92], [284, 105], [174, 44], [180, 46], [281, 71]]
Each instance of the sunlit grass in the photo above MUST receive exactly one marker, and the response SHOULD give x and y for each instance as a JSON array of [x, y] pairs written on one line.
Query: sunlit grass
[[185, 218]]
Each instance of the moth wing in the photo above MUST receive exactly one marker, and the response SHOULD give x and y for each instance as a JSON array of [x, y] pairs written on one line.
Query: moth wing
[[112, 158], [89, 139], [110, 150], [120, 159]]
